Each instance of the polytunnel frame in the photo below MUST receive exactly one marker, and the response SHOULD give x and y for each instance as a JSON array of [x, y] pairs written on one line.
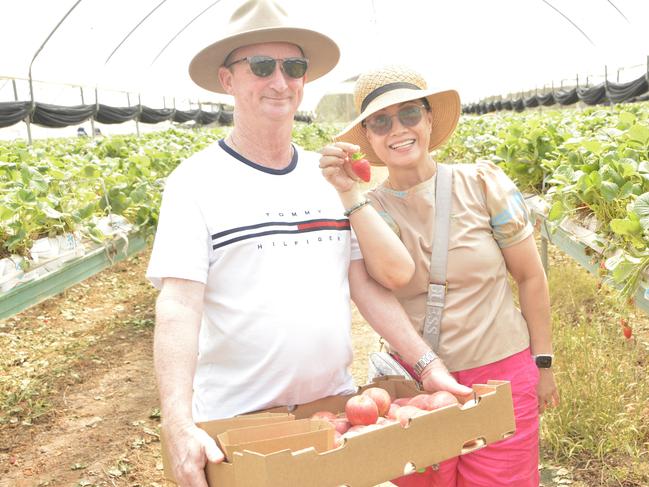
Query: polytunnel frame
[[114, 51]]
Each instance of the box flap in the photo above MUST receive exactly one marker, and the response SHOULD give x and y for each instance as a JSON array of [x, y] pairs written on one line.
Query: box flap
[[270, 438]]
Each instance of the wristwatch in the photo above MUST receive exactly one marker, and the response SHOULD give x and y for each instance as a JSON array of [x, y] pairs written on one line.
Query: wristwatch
[[543, 360], [425, 359]]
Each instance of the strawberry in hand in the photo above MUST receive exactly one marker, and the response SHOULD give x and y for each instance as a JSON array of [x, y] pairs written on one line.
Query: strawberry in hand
[[361, 166]]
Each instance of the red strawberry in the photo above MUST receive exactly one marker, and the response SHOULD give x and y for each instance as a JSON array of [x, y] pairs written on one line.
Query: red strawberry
[[361, 166], [626, 329]]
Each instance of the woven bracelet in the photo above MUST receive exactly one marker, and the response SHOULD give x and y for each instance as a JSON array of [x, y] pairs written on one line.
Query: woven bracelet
[[356, 207]]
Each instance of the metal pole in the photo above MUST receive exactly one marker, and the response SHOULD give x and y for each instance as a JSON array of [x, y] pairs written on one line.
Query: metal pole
[[13, 83], [139, 109], [610, 102], [92, 121], [32, 106]]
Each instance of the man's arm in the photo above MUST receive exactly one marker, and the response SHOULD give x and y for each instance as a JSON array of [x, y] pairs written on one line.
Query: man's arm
[[384, 313], [175, 348]]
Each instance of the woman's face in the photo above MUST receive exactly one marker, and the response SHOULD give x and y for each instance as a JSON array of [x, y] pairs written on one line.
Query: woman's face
[[399, 134]]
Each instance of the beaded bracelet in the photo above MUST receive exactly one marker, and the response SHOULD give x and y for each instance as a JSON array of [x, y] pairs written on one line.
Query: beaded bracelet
[[356, 207]]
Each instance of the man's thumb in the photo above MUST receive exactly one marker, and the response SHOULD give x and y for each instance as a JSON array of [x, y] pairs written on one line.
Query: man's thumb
[[212, 452]]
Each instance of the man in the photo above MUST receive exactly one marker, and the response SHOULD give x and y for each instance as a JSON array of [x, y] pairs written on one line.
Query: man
[[252, 253]]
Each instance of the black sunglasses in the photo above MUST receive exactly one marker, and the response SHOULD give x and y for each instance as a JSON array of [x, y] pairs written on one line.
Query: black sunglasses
[[381, 124], [264, 66]]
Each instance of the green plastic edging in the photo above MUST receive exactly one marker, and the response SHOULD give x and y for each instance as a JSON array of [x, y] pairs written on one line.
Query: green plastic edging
[[584, 256], [33, 292]]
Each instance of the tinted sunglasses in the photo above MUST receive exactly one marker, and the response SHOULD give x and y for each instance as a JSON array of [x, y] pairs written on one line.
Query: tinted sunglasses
[[381, 124], [264, 66]]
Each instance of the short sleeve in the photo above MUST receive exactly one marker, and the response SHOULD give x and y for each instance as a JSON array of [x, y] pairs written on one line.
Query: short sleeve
[[181, 244], [383, 213], [508, 212]]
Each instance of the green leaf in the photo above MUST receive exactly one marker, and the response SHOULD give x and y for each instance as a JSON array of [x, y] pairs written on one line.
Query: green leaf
[[639, 133], [90, 171], [593, 146], [610, 190], [641, 208], [622, 272], [556, 211], [626, 227]]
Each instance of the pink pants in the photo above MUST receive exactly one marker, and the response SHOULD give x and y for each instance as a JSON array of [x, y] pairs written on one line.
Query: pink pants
[[512, 462]]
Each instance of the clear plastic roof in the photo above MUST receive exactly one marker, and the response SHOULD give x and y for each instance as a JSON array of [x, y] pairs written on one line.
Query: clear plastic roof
[[480, 47]]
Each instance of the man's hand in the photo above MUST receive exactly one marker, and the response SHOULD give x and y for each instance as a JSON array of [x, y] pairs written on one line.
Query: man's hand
[[190, 448], [436, 377]]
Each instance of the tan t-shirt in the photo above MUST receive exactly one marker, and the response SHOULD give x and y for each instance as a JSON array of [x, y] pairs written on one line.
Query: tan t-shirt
[[480, 323]]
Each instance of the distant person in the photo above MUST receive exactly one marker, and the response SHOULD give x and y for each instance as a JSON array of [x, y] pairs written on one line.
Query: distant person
[[97, 132], [483, 334], [254, 257], [81, 132]]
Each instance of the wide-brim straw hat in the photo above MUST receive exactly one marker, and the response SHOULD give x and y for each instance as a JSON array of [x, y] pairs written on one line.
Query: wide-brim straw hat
[[261, 21], [390, 85]]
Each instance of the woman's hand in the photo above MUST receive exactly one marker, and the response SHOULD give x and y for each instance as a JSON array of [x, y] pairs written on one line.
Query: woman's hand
[[336, 165], [546, 390]]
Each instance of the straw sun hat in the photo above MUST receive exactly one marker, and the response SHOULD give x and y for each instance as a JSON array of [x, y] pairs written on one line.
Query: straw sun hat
[[261, 21], [378, 89]]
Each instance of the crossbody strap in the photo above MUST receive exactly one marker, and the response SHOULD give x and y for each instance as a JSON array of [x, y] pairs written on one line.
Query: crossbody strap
[[439, 255]]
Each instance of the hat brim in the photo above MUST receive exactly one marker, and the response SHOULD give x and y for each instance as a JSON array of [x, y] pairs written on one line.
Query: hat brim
[[321, 51], [445, 109]]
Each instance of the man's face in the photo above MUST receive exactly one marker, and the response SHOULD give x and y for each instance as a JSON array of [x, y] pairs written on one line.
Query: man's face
[[277, 96]]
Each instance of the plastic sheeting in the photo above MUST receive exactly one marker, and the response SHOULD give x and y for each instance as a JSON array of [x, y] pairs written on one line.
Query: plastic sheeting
[[479, 47], [603, 93]]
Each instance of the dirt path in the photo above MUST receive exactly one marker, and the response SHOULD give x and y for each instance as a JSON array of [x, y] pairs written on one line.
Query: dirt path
[[102, 427]]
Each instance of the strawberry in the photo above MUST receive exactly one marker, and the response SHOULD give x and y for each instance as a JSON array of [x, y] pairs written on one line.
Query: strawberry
[[628, 332], [626, 329], [361, 166]]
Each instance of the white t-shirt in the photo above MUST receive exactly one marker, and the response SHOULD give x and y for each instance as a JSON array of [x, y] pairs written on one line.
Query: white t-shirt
[[273, 248]]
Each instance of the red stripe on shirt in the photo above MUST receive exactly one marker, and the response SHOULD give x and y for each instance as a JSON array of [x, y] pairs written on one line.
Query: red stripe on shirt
[[323, 225]]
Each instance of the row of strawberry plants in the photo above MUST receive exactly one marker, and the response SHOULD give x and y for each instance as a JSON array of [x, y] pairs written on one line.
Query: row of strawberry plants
[[59, 186], [592, 166]]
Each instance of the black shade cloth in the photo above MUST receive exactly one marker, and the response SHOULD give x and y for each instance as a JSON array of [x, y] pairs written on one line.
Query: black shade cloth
[[58, 116], [226, 117], [206, 118], [111, 115], [518, 105], [566, 97], [593, 95], [185, 116], [547, 99], [531, 102], [627, 91], [153, 115], [13, 112]]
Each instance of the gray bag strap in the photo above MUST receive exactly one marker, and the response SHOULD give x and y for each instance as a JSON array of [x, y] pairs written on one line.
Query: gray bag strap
[[439, 254]]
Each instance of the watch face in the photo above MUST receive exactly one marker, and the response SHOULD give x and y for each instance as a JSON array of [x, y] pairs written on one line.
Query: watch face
[[544, 362]]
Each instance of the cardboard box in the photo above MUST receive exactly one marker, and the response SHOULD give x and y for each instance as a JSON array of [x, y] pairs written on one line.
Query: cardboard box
[[271, 438], [379, 455], [215, 428]]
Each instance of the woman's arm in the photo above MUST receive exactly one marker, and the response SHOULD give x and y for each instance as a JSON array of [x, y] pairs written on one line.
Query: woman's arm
[[386, 258], [524, 264]]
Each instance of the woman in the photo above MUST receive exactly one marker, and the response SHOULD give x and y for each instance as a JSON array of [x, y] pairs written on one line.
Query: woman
[[483, 334]]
